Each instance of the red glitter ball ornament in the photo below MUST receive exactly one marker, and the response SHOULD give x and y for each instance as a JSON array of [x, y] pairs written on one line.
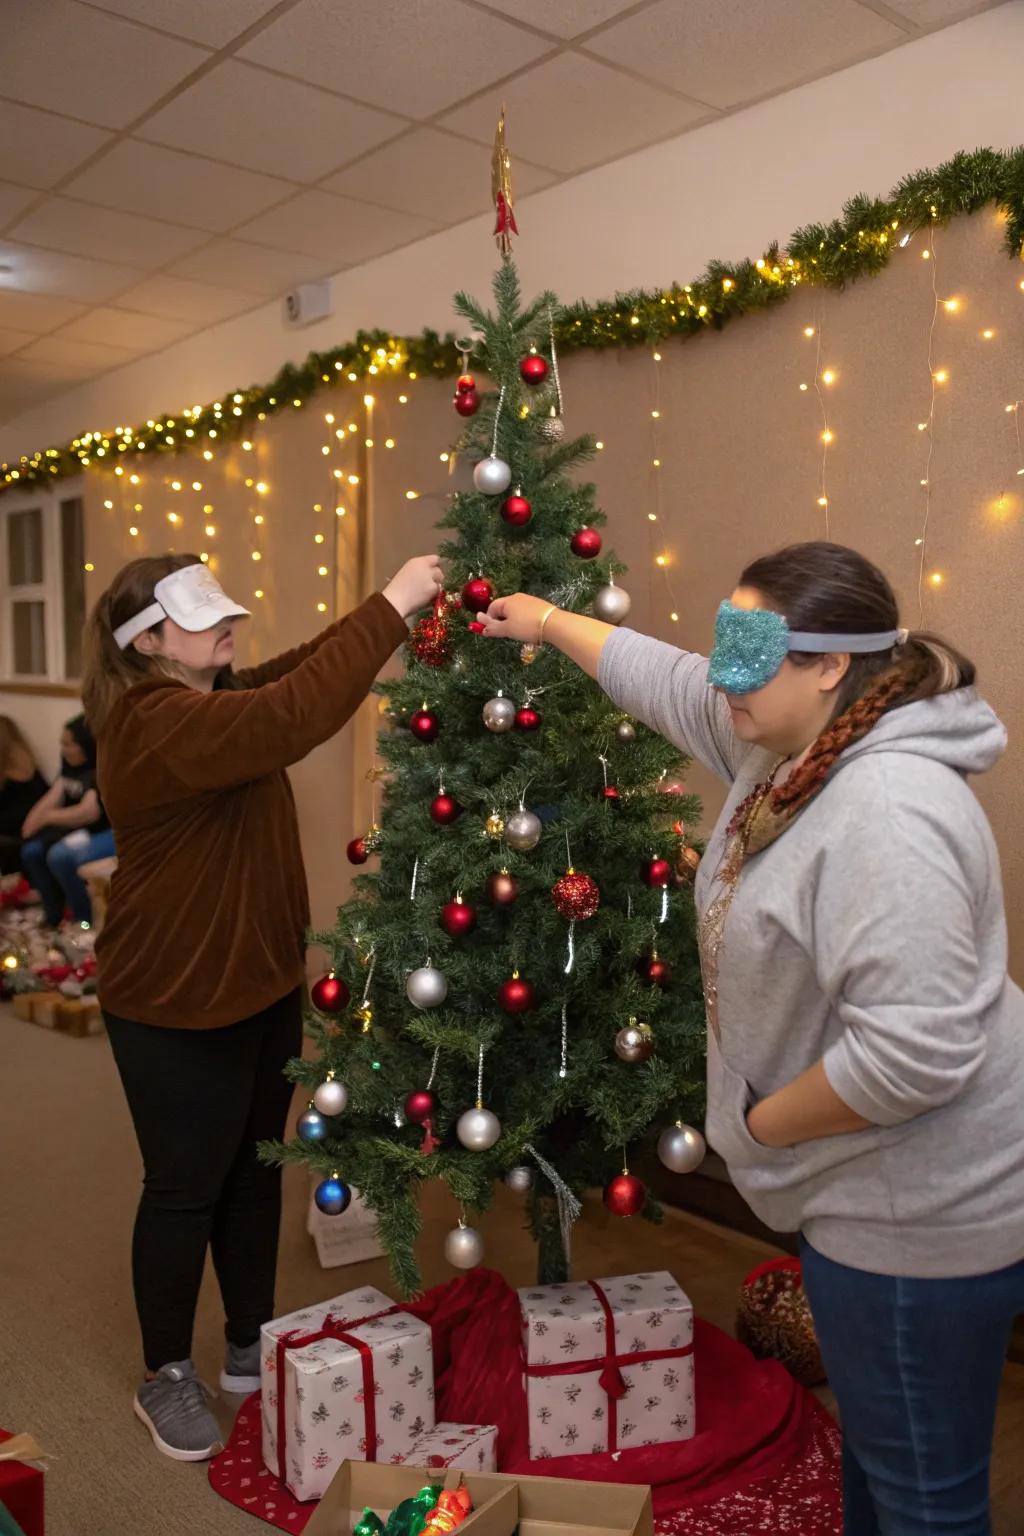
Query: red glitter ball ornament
[[586, 542], [329, 994], [465, 383], [533, 369], [655, 971], [420, 1105], [626, 1195], [458, 918], [516, 511], [467, 402], [527, 718], [424, 725], [478, 594], [516, 995], [576, 896], [656, 872], [431, 640], [356, 851], [444, 809]]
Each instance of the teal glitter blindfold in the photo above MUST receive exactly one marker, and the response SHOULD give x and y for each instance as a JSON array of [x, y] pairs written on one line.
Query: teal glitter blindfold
[[752, 643]]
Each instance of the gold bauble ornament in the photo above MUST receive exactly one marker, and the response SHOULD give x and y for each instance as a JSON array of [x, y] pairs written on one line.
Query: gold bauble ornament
[[494, 826]]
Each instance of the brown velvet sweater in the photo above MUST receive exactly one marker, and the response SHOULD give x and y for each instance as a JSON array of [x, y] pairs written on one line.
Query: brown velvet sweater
[[208, 906]]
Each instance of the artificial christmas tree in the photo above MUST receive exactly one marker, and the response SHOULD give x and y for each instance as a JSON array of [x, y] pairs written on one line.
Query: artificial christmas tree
[[525, 911]]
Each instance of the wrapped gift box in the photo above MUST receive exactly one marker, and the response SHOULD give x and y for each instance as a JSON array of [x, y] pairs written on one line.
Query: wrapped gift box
[[346, 1239], [351, 1378], [21, 1486], [473, 1447], [79, 1016], [609, 1364]]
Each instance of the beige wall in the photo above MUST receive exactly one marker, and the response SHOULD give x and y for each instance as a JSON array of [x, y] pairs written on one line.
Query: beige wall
[[740, 464]]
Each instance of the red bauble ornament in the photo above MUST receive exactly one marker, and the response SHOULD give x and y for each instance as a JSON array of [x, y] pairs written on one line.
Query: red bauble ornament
[[502, 888], [356, 852], [467, 402], [670, 785], [475, 627], [465, 383], [478, 594], [576, 896], [611, 792], [329, 994], [533, 369], [657, 872], [458, 918], [431, 641], [420, 1105], [516, 511], [424, 725], [586, 542], [527, 718], [515, 995], [626, 1195], [656, 972], [445, 809]]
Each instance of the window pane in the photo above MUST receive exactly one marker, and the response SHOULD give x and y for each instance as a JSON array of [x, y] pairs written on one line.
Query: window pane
[[25, 547], [29, 639], [73, 562]]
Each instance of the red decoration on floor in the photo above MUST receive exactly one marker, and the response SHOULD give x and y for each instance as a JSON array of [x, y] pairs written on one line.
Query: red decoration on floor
[[765, 1458]]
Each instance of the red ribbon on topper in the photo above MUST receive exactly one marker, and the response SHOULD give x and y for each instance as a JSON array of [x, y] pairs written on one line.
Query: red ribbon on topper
[[332, 1328], [609, 1364]]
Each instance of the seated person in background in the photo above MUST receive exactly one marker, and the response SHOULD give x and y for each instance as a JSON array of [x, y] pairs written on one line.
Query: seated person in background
[[21, 785], [67, 828]]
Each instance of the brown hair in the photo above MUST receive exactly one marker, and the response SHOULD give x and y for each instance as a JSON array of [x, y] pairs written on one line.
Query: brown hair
[[107, 671], [824, 588], [15, 752]]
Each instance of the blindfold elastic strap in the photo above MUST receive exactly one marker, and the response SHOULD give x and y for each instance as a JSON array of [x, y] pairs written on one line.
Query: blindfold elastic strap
[[856, 645]]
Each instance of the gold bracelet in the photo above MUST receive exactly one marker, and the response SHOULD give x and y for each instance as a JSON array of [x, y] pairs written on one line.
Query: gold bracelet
[[540, 627]]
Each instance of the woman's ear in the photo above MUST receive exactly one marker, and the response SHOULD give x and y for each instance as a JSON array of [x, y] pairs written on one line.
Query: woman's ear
[[834, 667], [148, 643]]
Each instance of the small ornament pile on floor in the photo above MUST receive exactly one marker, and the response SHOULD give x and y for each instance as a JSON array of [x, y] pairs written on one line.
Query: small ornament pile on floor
[[35, 957]]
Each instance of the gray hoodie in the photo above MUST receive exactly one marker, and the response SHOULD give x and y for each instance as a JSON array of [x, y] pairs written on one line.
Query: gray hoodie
[[871, 935]]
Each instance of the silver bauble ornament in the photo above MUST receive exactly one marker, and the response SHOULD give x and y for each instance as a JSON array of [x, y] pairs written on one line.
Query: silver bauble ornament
[[522, 831], [331, 1097], [520, 1178], [426, 987], [499, 714], [464, 1247], [681, 1148], [492, 476], [625, 731], [478, 1129], [611, 603], [634, 1042], [552, 428]]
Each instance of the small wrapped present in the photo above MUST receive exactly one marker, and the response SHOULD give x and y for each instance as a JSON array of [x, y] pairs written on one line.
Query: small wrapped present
[[609, 1364], [21, 1484], [80, 1016], [473, 1447], [351, 1378], [347, 1239]]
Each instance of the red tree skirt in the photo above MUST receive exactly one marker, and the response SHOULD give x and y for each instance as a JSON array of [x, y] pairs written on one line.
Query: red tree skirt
[[765, 1456]]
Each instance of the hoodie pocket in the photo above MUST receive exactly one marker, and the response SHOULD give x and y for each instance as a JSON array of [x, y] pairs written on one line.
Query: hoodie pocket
[[729, 1099]]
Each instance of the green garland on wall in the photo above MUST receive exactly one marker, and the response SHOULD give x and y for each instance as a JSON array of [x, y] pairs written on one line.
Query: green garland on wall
[[860, 243]]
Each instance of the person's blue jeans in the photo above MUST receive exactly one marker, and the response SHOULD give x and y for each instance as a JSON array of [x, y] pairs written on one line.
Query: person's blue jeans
[[53, 872], [915, 1366]]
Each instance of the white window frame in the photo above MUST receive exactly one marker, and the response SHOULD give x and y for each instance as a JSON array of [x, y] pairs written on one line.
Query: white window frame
[[50, 591]]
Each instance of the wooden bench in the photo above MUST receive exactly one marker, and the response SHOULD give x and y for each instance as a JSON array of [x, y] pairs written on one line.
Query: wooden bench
[[97, 880]]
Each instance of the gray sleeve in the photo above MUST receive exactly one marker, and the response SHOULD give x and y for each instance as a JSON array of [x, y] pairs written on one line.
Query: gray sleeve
[[668, 690], [901, 963]]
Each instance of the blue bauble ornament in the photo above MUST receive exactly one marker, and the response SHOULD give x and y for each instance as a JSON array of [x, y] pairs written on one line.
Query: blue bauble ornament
[[311, 1125], [332, 1196]]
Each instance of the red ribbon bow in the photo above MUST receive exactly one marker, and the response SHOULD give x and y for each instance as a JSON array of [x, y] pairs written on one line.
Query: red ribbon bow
[[332, 1328], [609, 1364]]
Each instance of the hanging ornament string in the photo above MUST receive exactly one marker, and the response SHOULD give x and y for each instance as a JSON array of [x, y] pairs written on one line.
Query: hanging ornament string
[[480, 1078], [569, 1207], [372, 962], [433, 1064], [604, 767], [664, 904], [415, 874], [570, 958], [554, 359], [497, 419], [563, 1069]]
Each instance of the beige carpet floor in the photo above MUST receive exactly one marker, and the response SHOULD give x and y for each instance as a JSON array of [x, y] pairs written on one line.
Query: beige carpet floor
[[69, 1360]]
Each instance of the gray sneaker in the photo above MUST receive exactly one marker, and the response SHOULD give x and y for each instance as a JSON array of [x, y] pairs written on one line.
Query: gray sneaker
[[241, 1371], [173, 1408]]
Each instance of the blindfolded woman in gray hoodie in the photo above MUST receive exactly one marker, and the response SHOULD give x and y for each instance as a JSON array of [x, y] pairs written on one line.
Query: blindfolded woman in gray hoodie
[[865, 1043]]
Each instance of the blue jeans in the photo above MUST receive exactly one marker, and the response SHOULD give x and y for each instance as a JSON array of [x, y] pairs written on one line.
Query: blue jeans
[[54, 874], [915, 1366]]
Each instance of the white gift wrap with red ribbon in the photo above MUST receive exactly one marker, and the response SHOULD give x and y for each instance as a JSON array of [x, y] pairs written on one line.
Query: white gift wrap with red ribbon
[[473, 1447], [608, 1364], [348, 1379]]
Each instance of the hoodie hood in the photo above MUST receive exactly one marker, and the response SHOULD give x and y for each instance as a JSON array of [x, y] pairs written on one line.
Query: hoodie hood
[[958, 729]]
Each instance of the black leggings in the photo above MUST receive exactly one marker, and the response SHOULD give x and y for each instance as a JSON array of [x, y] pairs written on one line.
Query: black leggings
[[201, 1099]]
